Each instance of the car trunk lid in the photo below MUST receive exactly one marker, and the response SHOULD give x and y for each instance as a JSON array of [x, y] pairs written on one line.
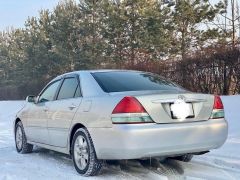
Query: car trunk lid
[[160, 106]]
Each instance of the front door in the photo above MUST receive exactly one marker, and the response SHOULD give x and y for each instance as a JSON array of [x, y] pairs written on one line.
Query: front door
[[38, 114]]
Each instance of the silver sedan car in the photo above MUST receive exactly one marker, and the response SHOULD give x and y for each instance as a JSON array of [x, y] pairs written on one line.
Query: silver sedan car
[[117, 115]]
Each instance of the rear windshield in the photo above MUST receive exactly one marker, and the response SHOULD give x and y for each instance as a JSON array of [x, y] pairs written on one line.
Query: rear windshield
[[119, 81]]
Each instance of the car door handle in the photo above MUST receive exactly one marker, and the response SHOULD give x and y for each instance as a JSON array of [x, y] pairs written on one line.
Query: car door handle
[[72, 107]]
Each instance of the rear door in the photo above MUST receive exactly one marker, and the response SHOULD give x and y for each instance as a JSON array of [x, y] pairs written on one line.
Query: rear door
[[62, 111]]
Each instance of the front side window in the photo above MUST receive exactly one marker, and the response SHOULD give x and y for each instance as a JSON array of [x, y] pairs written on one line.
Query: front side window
[[69, 89], [49, 92]]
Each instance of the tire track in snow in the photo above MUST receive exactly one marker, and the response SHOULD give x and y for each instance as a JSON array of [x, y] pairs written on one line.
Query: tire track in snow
[[169, 168]]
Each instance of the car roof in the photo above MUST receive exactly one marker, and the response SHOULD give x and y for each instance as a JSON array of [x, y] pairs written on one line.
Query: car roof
[[99, 70], [92, 71], [103, 70]]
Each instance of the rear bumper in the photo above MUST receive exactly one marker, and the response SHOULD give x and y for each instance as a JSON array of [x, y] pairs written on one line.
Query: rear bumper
[[135, 141]]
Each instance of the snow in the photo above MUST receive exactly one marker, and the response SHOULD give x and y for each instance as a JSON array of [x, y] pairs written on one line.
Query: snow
[[223, 163]]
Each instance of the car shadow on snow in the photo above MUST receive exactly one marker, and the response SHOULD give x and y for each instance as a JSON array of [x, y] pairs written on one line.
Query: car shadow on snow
[[138, 169], [133, 168]]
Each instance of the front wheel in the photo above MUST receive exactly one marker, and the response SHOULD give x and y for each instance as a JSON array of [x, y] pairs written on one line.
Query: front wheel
[[21, 140], [84, 155]]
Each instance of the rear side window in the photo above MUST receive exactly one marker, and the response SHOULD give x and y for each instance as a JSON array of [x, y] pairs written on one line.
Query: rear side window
[[119, 81], [69, 89]]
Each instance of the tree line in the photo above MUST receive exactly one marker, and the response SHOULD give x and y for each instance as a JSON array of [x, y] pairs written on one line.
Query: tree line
[[180, 40]]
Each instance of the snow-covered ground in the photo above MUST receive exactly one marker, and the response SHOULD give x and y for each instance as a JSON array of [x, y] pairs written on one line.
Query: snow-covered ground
[[223, 163]]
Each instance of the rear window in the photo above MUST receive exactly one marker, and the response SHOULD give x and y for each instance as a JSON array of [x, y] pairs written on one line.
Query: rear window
[[119, 81]]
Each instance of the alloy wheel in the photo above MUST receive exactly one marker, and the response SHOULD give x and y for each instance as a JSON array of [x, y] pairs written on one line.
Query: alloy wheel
[[81, 152]]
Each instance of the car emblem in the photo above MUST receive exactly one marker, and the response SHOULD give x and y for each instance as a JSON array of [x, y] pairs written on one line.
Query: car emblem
[[181, 97]]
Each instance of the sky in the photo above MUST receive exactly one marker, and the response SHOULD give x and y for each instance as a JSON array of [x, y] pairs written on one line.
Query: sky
[[13, 13]]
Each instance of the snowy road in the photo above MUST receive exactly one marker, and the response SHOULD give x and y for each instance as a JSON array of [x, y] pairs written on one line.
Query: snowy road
[[223, 163]]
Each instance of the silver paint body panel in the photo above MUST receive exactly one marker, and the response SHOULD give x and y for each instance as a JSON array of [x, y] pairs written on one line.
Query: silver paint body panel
[[149, 140], [50, 124]]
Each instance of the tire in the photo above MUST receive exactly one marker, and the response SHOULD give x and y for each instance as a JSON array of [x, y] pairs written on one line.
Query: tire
[[84, 155], [184, 158], [21, 140]]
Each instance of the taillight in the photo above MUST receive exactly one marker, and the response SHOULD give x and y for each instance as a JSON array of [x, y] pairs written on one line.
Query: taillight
[[217, 103], [218, 110], [129, 105], [130, 110]]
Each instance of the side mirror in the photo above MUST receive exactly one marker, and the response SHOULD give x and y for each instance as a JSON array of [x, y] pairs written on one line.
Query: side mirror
[[31, 99]]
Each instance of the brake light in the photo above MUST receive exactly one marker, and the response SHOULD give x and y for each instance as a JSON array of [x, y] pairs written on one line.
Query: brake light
[[217, 103], [130, 110], [129, 105], [218, 109]]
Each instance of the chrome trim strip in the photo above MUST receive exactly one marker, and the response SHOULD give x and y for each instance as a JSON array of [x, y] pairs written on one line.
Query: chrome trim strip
[[129, 115], [173, 100]]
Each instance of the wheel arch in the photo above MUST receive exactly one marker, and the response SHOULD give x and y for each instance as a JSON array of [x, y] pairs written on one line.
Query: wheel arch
[[14, 124], [73, 130], [17, 120]]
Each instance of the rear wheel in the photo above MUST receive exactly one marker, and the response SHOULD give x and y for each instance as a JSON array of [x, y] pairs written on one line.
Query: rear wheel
[[84, 155], [21, 140]]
